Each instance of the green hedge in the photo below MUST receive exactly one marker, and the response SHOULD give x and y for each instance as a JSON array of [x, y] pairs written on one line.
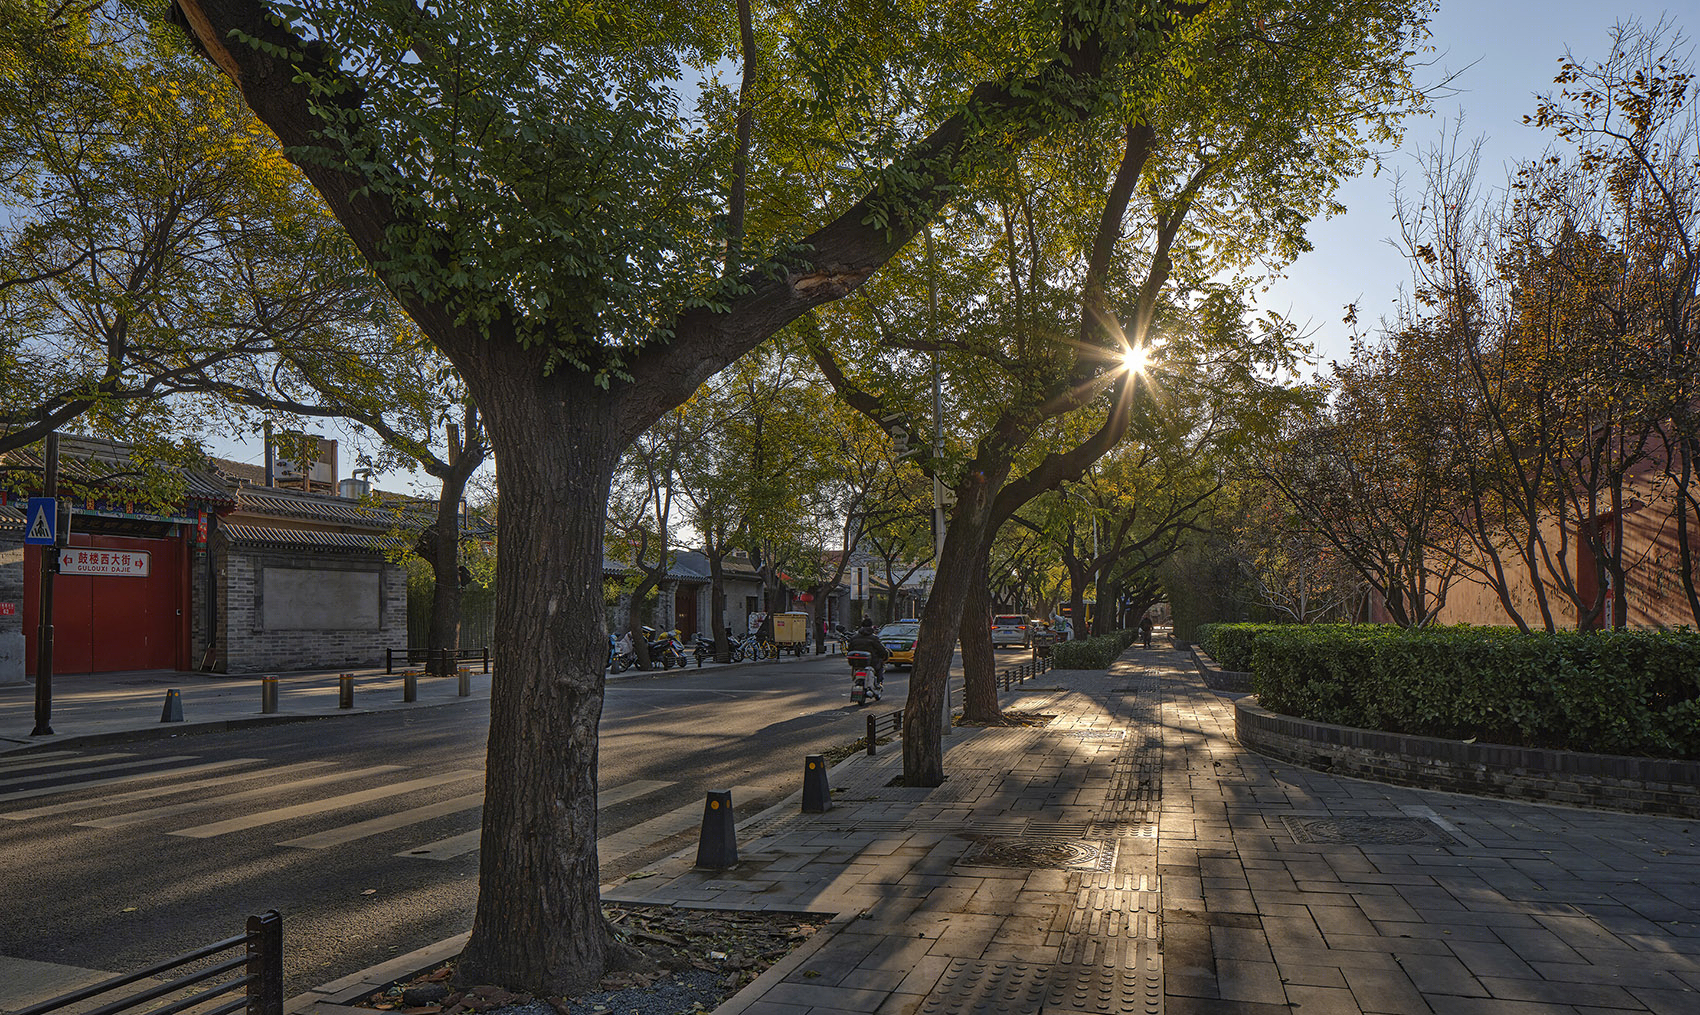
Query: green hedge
[[1629, 692], [1093, 653], [1230, 644]]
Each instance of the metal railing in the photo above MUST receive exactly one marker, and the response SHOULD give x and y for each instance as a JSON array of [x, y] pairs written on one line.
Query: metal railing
[[260, 979], [1017, 675], [428, 656], [880, 725]]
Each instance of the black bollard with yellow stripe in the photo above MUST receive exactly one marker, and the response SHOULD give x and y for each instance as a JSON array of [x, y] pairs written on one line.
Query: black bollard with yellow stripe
[[717, 849], [817, 796]]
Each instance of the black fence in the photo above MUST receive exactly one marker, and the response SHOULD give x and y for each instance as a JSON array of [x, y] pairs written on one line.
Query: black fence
[[256, 971], [1017, 675], [880, 725], [436, 660]]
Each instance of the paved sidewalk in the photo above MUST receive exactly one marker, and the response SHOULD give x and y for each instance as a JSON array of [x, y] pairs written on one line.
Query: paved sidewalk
[[105, 707], [1130, 857]]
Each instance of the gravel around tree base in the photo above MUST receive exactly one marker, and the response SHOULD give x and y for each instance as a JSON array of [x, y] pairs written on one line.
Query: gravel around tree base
[[699, 959]]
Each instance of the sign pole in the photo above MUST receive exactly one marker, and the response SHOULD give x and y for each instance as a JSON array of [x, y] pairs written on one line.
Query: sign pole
[[49, 565]]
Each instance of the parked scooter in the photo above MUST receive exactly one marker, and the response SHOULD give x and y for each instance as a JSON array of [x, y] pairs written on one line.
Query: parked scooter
[[666, 649], [863, 689], [620, 654], [704, 649]]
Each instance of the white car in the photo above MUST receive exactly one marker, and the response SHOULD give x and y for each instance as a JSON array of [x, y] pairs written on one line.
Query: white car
[[1012, 629]]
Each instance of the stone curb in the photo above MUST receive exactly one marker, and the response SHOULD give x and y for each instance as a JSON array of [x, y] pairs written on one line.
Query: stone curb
[[164, 731], [1216, 678], [1654, 787], [691, 667]]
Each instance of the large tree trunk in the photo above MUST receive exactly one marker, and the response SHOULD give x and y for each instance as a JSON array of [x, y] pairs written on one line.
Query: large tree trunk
[[717, 607], [979, 663], [956, 570], [1077, 607], [1107, 617], [538, 925], [442, 642]]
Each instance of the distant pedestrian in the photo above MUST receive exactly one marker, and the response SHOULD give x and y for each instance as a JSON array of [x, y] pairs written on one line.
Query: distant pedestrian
[[1145, 626]]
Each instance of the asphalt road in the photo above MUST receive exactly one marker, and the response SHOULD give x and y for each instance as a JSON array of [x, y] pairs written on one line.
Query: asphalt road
[[374, 859]]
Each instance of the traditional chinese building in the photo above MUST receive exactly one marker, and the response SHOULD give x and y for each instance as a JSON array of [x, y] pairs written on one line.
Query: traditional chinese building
[[227, 576]]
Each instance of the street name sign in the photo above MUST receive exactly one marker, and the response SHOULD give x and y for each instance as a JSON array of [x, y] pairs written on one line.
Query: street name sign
[[115, 563]]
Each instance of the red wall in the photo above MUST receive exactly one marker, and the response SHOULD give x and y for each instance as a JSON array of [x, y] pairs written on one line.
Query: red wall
[[103, 623]]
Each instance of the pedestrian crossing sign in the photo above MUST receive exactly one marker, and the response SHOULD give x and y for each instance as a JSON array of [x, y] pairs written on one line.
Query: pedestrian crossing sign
[[41, 521]]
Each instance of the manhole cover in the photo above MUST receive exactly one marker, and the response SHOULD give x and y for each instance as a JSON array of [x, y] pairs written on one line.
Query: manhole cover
[[1090, 735], [1040, 853], [1367, 831]]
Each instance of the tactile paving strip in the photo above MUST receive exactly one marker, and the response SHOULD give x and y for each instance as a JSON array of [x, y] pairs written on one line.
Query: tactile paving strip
[[1133, 988], [974, 985]]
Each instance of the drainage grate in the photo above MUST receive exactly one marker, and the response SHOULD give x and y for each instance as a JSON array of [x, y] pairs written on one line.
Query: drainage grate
[[1091, 735], [1034, 853], [1124, 829], [1369, 831]]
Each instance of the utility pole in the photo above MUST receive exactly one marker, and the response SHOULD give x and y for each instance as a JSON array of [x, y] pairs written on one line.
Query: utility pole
[[938, 402], [49, 566], [938, 449]]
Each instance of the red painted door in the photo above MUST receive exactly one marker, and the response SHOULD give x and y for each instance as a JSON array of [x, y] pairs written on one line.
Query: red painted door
[[103, 623]]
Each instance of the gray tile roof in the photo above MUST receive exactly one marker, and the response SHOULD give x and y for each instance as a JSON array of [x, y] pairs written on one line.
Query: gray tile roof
[[311, 539], [325, 508]]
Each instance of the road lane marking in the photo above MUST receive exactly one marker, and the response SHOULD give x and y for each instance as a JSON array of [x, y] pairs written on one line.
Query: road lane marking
[[24, 982], [466, 842], [274, 815], [159, 791], [446, 849], [73, 772], [22, 761], [387, 822], [119, 820], [118, 780]]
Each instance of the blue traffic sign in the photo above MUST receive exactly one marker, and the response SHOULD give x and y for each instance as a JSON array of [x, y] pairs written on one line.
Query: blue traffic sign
[[41, 521]]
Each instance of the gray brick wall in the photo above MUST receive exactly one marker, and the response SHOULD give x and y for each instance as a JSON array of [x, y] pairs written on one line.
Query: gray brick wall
[[246, 646]]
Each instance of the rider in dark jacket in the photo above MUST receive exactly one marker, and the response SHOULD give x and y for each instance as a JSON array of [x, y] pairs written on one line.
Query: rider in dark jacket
[[864, 640]]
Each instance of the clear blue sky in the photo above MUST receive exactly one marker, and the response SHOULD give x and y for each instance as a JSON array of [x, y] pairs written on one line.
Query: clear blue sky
[[1503, 52]]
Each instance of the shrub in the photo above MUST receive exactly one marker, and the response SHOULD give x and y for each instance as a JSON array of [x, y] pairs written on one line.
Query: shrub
[[1230, 644], [1623, 692], [1093, 653]]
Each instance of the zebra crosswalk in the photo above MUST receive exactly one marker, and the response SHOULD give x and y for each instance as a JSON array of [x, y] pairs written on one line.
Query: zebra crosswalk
[[183, 796]]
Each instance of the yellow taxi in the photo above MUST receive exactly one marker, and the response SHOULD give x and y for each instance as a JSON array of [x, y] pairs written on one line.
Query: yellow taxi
[[899, 639]]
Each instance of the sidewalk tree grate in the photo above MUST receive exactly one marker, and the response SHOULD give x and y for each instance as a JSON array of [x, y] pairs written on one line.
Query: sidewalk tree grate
[[1367, 831], [1039, 853]]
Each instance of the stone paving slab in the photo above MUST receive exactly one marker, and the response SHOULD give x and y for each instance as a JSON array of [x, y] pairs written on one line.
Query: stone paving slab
[[1168, 870]]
